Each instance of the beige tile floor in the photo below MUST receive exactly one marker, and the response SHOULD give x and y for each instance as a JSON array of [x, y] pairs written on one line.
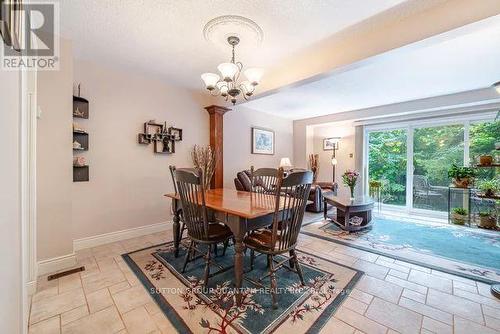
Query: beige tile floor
[[393, 296]]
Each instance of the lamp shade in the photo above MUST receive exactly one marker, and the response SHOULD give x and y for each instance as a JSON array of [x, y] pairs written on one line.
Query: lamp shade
[[497, 86], [285, 162], [248, 88], [222, 86], [210, 80], [254, 75], [228, 71]]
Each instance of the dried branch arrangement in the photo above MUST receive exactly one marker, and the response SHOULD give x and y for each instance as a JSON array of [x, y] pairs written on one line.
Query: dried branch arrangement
[[204, 157], [314, 165]]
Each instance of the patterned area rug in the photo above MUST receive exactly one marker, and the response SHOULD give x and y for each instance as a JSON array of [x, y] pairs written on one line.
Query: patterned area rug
[[191, 308], [467, 252]]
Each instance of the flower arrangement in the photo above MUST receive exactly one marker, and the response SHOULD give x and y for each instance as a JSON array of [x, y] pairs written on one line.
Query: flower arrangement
[[349, 178]]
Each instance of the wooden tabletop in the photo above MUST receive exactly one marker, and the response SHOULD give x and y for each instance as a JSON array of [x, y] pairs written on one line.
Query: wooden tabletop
[[240, 203]]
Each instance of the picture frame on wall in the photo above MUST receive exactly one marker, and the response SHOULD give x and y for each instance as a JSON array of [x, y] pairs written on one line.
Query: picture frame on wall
[[330, 144], [262, 141]]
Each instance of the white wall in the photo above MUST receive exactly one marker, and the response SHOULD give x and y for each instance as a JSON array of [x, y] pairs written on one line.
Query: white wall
[[237, 141], [10, 206], [127, 180], [344, 155], [54, 158]]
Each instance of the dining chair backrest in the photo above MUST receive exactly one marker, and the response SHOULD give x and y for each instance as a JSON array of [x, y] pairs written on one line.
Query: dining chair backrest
[[192, 193], [264, 180], [172, 173], [291, 199]]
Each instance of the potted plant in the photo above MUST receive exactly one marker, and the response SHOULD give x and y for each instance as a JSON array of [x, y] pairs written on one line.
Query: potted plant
[[458, 216], [489, 187], [461, 176], [487, 219], [485, 160]]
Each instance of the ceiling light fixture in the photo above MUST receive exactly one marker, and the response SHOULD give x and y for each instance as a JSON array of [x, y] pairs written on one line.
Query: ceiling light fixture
[[496, 85], [228, 84]]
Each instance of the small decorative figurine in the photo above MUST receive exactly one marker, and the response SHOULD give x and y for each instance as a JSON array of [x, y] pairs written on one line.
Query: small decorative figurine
[[79, 161]]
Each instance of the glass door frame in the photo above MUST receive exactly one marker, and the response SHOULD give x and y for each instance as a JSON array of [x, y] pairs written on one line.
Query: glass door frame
[[410, 127]]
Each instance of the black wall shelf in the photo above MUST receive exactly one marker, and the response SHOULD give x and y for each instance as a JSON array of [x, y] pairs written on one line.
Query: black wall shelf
[[82, 138], [80, 107], [80, 173], [80, 110]]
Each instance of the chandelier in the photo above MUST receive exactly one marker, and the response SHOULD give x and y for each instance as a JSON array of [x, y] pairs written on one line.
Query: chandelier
[[228, 84]]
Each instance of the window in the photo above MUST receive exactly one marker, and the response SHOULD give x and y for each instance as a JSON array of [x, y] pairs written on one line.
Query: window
[[411, 160], [387, 164], [434, 150]]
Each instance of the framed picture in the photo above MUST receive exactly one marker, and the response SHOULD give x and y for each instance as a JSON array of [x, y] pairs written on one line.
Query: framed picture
[[262, 141], [330, 144]]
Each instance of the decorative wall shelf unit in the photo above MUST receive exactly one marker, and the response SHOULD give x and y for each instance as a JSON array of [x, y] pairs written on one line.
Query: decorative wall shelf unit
[[162, 137], [80, 110]]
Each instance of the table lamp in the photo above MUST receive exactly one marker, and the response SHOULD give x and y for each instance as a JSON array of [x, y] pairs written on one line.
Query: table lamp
[[285, 163]]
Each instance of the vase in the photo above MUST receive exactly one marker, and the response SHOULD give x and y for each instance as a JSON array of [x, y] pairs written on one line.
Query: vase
[[352, 192]]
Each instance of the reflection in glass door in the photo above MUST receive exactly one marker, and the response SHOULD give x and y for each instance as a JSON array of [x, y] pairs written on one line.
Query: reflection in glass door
[[435, 149], [387, 164]]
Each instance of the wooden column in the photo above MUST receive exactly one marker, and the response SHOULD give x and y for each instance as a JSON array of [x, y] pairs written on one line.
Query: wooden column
[[217, 142]]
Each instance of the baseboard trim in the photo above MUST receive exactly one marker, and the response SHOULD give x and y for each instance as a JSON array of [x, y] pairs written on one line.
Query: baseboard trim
[[56, 264], [106, 238]]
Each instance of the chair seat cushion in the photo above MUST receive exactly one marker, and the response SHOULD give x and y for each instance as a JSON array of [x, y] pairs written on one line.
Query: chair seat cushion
[[218, 231], [259, 240]]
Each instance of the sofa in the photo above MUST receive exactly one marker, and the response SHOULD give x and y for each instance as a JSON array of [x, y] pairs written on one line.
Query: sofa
[[243, 182]]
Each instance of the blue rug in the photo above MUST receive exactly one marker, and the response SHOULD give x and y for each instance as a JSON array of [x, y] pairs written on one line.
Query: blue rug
[[194, 309], [467, 252]]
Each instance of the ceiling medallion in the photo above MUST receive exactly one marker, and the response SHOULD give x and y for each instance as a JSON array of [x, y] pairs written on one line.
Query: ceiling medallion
[[228, 84], [237, 25]]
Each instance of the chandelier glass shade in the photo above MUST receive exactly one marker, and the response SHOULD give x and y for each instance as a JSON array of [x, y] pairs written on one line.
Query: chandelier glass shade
[[228, 84]]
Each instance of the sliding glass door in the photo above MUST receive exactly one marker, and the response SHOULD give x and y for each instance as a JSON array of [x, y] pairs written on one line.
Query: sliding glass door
[[410, 161]]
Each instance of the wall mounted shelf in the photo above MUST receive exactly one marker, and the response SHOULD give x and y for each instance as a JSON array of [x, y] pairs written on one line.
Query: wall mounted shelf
[[80, 173], [80, 107], [80, 110]]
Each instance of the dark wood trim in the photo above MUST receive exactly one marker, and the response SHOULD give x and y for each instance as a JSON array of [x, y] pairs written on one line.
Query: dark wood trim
[[217, 142]]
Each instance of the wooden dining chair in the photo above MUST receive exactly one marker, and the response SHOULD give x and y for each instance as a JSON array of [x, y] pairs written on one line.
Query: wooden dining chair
[[199, 229], [264, 180], [290, 202], [183, 226]]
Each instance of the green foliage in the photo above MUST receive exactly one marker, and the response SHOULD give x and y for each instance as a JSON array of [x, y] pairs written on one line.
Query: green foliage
[[457, 172], [493, 185], [485, 214], [387, 163], [435, 150], [459, 211]]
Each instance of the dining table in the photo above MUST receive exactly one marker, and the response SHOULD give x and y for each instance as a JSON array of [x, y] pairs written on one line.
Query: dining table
[[241, 211]]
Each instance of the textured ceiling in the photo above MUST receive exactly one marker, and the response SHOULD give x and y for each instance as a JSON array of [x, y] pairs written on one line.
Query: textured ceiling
[[165, 38], [460, 60]]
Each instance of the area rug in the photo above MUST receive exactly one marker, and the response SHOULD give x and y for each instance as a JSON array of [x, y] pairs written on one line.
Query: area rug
[[191, 308], [463, 251]]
